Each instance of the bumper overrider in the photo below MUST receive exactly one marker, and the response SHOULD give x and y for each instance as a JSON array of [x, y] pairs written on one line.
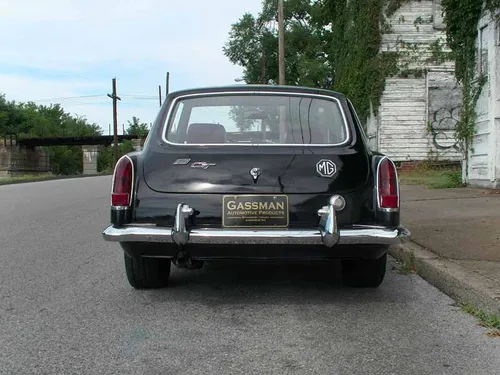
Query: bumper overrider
[[327, 233]]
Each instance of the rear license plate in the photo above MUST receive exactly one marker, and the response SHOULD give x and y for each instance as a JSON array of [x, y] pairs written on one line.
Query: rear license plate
[[249, 211]]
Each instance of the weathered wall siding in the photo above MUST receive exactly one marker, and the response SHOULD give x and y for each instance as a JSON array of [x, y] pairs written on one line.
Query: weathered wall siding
[[409, 105], [406, 27], [484, 160], [443, 114], [402, 133]]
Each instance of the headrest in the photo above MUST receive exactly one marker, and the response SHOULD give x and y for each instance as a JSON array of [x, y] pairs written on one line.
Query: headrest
[[206, 133], [308, 135]]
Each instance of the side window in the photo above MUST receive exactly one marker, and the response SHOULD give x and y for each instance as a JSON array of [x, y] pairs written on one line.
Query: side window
[[355, 119]]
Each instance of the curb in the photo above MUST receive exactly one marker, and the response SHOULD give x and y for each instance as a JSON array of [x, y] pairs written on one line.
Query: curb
[[461, 284]]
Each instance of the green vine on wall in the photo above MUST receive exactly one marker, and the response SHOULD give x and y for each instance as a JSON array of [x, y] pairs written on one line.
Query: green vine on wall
[[462, 20]]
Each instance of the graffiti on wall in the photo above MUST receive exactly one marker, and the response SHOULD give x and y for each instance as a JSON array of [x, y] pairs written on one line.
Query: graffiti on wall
[[444, 104], [442, 128]]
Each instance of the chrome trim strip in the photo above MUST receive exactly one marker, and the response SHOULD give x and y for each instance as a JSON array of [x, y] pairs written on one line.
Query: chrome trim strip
[[120, 208], [210, 236], [253, 92]]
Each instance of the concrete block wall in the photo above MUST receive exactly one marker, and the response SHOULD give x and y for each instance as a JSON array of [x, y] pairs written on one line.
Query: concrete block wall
[[20, 160], [90, 155]]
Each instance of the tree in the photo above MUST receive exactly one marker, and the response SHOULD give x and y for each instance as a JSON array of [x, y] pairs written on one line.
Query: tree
[[29, 120], [12, 118], [135, 127], [253, 44], [328, 44]]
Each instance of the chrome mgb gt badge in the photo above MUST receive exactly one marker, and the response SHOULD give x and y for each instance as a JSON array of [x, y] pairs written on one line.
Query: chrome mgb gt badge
[[326, 168], [201, 164]]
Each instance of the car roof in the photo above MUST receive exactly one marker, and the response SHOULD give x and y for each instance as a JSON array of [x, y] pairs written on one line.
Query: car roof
[[256, 87]]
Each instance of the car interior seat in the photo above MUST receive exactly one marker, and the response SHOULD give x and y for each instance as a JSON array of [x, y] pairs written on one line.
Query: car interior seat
[[206, 133]]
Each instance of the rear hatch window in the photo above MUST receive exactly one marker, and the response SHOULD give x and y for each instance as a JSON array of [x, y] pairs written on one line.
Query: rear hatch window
[[256, 119]]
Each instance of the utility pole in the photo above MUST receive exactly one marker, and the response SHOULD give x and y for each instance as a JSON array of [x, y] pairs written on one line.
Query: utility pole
[[159, 93], [263, 67], [167, 84], [281, 65], [281, 30], [115, 120]]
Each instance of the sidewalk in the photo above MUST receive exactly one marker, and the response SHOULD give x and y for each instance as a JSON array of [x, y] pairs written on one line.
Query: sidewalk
[[455, 241]]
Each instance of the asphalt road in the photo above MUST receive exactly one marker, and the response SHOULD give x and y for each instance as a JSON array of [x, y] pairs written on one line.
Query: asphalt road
[[66, 307]]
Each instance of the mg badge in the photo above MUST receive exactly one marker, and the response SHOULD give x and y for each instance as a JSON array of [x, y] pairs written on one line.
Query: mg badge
[[326, 168], [255, 173]]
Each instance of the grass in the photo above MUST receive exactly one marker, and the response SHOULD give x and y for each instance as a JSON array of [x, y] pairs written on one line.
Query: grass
[[432, 177], [43, 177], [488, 321], [26, 178], [409, 264]]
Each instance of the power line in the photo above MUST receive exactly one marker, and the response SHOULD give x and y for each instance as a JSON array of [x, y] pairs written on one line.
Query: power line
[[139, 96], [70, 97], [130, 96]]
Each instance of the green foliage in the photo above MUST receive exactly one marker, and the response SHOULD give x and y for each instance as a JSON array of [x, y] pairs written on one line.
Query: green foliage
[[66, 160], [462, 18], [393, 6], [433, 175], [135, 127], [328, 44], [438, 55], [449, 179], [23, 120], [253, 44], [12, 118], [26, 178], [105, 161], [489, 321], [29, 120]]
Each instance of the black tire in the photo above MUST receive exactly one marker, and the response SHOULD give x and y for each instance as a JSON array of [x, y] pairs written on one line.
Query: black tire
[[147, 273], [364, 273]]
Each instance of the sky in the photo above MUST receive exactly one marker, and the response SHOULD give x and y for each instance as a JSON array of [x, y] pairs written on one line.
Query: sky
[[55, 49]]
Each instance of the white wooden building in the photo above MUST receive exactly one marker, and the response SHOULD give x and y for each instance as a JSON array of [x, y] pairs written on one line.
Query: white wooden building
[[483, 164], [420, 106]]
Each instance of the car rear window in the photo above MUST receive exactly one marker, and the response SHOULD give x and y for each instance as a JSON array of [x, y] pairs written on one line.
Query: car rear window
[[256, 119]]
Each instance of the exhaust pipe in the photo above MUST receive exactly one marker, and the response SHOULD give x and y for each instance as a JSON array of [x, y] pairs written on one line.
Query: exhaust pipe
[[183, 260]]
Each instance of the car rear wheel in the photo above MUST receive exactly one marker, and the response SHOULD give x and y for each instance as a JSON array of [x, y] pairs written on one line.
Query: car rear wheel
[[364, 273], [147, 273]]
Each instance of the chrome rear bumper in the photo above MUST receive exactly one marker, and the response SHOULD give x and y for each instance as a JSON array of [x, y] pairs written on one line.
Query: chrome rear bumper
[[361, 235], [327, 233]]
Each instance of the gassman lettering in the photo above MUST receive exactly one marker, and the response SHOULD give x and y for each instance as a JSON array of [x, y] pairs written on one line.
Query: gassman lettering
[[267, 206]]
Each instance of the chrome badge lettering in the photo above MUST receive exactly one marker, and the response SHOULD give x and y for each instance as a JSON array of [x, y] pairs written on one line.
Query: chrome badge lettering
[[202, 164], [181, 161], [326, 168]]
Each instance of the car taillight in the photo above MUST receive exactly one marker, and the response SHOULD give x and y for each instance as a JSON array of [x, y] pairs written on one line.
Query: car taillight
[[388, 191], [122, 183]]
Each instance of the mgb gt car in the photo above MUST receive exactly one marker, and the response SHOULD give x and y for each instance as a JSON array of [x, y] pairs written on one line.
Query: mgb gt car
[[255, 172]]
